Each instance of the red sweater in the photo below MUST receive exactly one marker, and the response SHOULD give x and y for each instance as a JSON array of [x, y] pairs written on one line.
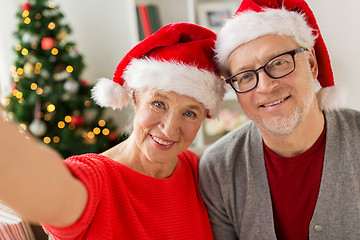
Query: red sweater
[[124, 204], [294, 185]]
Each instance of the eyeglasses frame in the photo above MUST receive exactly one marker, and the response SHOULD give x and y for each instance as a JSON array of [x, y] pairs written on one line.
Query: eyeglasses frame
[[292, 53]]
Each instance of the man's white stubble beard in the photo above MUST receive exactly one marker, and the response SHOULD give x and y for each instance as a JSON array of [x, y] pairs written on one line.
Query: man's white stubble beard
[[284, 125]]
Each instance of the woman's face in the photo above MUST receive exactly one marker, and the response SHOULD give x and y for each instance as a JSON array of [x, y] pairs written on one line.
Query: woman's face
[[166, 123]]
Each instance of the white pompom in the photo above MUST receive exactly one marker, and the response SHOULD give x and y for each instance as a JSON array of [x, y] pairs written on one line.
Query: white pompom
[[108, 93], [332, 98]]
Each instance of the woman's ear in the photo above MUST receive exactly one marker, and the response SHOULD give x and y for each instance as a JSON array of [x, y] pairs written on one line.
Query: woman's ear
[[133, 95], [313, 63]]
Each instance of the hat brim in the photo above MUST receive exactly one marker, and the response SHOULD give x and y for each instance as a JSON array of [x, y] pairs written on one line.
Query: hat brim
[[200, 84]]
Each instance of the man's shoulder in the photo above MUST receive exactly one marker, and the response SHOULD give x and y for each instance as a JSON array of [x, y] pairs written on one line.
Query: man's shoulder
[[344, 116]]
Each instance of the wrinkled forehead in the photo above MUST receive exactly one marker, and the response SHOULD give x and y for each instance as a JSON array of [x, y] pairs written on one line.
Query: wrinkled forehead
[[262, 49]]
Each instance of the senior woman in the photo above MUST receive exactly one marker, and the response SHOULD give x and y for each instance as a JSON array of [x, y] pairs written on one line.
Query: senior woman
[[146, 186]]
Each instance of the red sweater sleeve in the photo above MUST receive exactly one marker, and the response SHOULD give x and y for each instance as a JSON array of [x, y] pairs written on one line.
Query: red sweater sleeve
[[90, 170]]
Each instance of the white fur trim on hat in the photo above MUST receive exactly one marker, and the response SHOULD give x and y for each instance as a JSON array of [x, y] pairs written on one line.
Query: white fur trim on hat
[[250, 25], [203, 85], [108, 93], [331, 98]]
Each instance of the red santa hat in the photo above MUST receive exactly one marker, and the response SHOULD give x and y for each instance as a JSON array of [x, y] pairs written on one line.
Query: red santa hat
[[255, 18], [178, 58]]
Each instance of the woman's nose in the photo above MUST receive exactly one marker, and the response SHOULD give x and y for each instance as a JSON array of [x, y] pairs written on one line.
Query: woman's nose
[[171, 124]]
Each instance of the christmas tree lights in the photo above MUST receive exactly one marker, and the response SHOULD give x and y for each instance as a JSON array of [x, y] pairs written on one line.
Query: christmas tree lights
[[49, 98]]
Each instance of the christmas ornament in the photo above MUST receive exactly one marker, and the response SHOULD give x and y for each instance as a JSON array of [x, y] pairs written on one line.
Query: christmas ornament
[[28, 69], [47, 90], [90, 115], [61, 75], [84, 82], [48, 43], [14, 86], [71, 86], [49, 13], [26, 37], [34, 45], [44, 73], [61, 35], [66, 97], [30, 38], [78, 121], [37, 127], [26, 6], [113, 136]]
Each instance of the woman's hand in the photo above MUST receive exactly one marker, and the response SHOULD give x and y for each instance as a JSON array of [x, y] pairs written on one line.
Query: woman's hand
[[34, 181]]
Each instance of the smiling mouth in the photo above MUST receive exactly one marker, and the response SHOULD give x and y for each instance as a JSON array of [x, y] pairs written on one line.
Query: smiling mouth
[[162, 142], [274, 103]]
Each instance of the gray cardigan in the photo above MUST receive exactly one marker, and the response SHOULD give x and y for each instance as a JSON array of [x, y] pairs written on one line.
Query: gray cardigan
[[234, 184]]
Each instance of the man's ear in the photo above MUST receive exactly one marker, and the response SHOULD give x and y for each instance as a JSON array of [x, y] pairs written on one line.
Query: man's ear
[[313, 63]]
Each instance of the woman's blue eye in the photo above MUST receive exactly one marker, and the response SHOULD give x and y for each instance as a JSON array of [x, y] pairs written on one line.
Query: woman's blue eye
[[159, 104], [190, 114]]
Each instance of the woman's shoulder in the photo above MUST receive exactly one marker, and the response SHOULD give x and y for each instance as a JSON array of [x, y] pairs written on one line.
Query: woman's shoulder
[[89, 162], [190, 158]]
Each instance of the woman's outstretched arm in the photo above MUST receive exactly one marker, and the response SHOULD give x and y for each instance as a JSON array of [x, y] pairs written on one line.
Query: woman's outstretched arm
[[35, 182]]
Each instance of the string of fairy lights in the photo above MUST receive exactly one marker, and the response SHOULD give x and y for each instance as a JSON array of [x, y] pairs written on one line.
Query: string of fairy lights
[[36, 68]]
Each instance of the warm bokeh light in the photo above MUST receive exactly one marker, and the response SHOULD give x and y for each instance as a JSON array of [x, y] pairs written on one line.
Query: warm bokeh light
[[33, 86], [39, 91], [69, 69], [38, 65], [54, 51], [51, 108], [24, 51], [97, 130], [68, 119], [56, 139], [19, 95], [25, 13], [27, 20], [47, 140], [47, 117], [68, 48], [87, 103], [51, 26], [20, 71], [106, 131], [61, 124], [102, 123], [90, 135]]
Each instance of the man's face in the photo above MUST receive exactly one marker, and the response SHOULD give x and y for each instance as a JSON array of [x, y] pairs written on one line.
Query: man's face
[[277, 106]]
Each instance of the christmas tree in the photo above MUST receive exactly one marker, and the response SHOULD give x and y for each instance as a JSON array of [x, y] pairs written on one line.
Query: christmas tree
[[49, 98]]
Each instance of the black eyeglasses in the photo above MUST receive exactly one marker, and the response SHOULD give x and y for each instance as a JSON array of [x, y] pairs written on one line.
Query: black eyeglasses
[[277, 67]]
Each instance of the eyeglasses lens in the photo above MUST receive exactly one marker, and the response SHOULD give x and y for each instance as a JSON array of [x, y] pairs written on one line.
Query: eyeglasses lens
[[277, 67]]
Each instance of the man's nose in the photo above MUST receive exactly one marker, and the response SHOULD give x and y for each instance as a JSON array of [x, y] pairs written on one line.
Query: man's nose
[[266, 83]]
